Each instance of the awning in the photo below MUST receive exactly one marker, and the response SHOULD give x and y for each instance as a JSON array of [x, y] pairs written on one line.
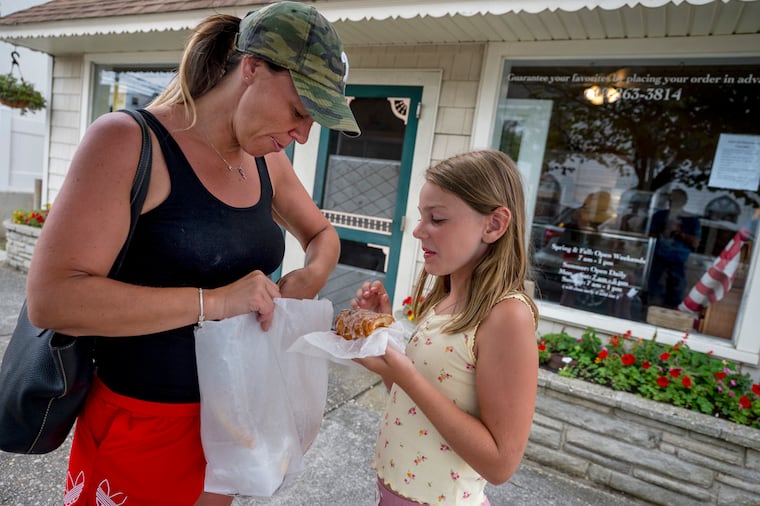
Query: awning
[[369, 10], [93, 26]]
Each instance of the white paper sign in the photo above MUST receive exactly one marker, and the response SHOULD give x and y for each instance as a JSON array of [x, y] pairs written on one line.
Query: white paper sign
[[737, 163]]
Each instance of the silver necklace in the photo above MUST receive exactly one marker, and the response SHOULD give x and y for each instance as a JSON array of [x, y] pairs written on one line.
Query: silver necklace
[[230, 167]]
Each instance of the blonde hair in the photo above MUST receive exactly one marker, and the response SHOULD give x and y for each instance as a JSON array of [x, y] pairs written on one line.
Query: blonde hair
[[209, 54], [485, 180]]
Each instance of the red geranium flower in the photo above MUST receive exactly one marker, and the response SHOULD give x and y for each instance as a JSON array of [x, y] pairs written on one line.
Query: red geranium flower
[[745, 402], [720, 375], [756, 389], [675, 372], [603, 354], [664, 356], [663, 381], [541, 346], [686, 381], [646, 364], [628, 359]]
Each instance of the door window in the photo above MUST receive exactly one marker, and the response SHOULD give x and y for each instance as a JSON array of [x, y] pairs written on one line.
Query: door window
[[363, 188]]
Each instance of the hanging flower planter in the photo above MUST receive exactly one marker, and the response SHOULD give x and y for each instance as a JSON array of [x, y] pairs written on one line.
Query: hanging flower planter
[[20, 94], [17, 93]]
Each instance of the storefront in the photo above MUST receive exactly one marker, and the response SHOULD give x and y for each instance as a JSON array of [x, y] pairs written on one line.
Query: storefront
[[634, 125], [643, 170]]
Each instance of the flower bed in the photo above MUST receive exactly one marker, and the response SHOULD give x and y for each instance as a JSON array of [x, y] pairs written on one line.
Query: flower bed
[[654, 451], [671, 374]]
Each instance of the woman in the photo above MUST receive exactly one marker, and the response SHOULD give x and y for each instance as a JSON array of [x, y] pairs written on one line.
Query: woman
[[205, 242]]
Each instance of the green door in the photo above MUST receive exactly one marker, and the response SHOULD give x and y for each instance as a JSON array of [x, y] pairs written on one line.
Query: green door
[[362, 186]]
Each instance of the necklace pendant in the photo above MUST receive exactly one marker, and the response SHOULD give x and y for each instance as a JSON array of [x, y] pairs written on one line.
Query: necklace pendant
[[239, 169]]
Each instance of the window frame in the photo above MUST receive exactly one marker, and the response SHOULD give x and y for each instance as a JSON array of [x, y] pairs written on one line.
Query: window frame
[[745, 347], [149, 60]]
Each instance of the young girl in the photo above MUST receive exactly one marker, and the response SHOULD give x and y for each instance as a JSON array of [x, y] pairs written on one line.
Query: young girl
[[462, 397]]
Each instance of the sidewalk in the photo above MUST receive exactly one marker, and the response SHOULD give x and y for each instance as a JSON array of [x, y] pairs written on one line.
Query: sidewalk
[[338, 469]]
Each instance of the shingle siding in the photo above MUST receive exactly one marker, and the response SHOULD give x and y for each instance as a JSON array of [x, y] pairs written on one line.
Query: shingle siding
[[60, 10]]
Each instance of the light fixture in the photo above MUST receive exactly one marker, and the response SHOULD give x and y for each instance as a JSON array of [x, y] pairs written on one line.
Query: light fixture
[[594, 94], [598, 95], [613, 95]]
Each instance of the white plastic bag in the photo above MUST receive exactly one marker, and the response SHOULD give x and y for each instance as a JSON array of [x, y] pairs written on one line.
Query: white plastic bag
[[261, 406]]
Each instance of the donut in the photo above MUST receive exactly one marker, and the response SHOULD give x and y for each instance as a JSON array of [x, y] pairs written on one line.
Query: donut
[[353, 324]]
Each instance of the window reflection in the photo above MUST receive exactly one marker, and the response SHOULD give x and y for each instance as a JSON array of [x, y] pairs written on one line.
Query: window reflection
[[122, 87], [615, 145]]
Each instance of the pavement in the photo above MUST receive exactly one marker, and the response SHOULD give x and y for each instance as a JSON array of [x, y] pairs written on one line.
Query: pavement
[[338, 471]]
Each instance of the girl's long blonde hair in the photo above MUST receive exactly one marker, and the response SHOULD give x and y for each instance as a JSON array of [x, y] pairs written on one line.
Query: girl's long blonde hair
[[484, 180]]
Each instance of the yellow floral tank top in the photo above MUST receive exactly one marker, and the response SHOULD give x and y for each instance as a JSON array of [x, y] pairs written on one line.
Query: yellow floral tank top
[[411, 457]]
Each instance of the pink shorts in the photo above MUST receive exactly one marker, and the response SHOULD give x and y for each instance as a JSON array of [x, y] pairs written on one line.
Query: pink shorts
[[128, 451], [386, 497]]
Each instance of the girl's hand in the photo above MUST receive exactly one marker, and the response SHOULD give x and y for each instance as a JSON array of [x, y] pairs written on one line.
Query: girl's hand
[[372, 296], [393, 367]]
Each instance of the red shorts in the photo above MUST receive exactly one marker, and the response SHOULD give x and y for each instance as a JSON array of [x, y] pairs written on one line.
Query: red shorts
[[127, 451]]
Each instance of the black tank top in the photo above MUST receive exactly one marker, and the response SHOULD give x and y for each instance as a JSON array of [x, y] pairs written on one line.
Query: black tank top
[[190, 239]]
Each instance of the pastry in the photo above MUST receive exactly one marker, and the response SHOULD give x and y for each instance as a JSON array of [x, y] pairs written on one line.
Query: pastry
[[353, 324]]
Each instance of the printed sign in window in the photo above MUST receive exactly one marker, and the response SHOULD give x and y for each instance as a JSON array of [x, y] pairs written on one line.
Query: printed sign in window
[[737, 163]]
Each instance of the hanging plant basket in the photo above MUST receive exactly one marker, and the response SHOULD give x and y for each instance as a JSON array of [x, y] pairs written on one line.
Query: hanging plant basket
[[15, 104], [20, 94]]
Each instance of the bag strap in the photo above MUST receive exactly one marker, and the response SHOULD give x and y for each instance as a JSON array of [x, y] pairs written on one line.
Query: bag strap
[[139, 186]]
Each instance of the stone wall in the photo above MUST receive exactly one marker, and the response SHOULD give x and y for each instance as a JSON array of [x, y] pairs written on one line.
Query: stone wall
[[9, 202], [19, 247], [653, 451]]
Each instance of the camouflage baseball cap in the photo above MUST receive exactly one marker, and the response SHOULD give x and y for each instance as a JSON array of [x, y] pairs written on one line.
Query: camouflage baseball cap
[[297, 37]]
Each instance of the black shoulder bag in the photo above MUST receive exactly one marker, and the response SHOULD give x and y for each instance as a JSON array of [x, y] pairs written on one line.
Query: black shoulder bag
[[45, 376]]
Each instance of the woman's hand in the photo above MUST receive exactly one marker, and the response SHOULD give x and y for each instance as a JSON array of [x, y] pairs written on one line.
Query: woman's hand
[[293, 209], [299, 284], [372, 296], [253, 293]]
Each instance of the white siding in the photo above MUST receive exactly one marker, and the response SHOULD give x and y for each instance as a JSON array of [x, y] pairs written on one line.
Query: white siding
[[65, 120]]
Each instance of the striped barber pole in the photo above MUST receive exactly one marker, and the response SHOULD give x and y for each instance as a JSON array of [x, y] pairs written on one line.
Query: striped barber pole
[[717, 281]]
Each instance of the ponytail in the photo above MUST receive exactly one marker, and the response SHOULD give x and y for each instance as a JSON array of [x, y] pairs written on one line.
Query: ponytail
[[209, 55]]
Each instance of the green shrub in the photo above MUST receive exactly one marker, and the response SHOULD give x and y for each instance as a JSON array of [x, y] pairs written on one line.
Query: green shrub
[[666, 373]]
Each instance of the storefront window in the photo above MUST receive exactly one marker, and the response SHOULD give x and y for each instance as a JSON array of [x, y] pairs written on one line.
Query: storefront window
[[130, 87], [646, 180]]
